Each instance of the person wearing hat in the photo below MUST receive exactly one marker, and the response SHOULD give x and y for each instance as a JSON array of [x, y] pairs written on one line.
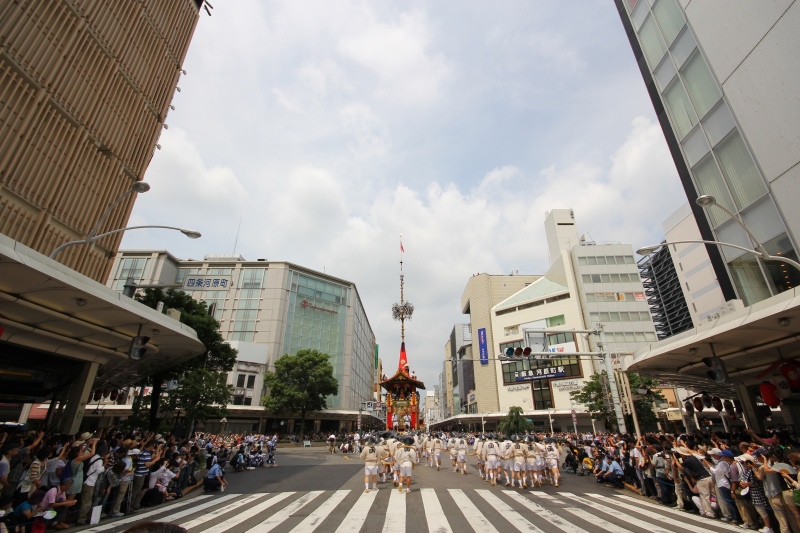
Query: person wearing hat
[[372, 454], [95, 466], [743, 502], [755, 489], [405, 457], [772, 462], [215, 478], [128, 458], [721, 471], [437, 447], [703, 481]]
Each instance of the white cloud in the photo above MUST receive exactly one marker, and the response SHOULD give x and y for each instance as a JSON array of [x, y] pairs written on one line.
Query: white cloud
[[330, 128], [397, 52]]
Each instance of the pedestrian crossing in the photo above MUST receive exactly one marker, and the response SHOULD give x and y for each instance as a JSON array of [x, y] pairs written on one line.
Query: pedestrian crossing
[[426, 509]]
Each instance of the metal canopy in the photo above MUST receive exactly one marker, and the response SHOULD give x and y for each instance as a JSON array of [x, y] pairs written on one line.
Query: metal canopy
[[51, 310], [748, 340]]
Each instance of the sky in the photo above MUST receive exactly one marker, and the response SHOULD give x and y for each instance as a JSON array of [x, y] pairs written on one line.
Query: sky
[[317, 132]]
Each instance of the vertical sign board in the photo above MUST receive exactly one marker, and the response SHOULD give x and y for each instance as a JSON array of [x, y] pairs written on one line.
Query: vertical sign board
[[482, 349]]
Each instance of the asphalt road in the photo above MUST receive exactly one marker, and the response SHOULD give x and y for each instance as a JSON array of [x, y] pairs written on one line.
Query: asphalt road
[[311, 490]]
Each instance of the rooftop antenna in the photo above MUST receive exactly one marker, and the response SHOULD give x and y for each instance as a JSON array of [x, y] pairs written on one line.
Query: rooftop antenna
[[236, 242]]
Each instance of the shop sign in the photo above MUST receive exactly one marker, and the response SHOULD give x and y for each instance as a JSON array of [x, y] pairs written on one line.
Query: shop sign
[[483, 350], [198, 282], [513, 388], [567, 385], [305, 304], [540, 373]]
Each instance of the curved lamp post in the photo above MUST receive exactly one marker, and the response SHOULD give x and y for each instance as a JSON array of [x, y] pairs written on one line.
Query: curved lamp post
[[188, 232], [759, 250]]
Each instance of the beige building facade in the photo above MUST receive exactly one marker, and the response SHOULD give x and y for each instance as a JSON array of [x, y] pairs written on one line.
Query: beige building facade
[[86, 87], [484, 291]]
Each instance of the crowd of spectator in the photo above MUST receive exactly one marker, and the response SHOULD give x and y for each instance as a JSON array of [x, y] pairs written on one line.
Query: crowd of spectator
[[739, 478], [66, 480]]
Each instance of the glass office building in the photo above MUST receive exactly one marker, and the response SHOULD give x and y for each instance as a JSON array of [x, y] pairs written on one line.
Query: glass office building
[[283, 306]]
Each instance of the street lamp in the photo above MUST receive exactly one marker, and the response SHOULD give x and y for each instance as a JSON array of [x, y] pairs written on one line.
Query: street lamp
[[706, 201], [188, 232]]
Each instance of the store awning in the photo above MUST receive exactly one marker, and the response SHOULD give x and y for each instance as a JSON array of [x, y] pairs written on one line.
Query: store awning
[[747, 340], [53, 319]]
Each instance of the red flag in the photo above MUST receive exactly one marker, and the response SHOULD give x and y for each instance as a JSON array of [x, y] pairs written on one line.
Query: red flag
[[401, 247]]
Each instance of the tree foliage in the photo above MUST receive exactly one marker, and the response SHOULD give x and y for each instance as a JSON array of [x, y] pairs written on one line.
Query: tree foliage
[[203, 373], [595, 396], [300, 384], [514, 422]]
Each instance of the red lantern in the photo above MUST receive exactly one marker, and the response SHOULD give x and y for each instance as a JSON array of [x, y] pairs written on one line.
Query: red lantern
[[106, 393], [689, 408], [792, 375], [97, 395], [769, 393], [706, 399], [728, 406], [113, 396], [1, 331], [717, 403], [698, 403]]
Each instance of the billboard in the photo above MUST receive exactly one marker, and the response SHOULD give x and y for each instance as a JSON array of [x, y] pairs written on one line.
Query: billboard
[[483, 350]]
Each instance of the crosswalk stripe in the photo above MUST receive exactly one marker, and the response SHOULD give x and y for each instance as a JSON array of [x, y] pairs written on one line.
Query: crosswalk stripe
[[219, 512], [321, 513], [138, 517], [681, 514], [358, 514], [541, 512], [542, 495], [395, 521], [275, 520], [661, 518], [507, 512], [471, 513], [437, 521], [253, 511], [647, 526], [596, 521]]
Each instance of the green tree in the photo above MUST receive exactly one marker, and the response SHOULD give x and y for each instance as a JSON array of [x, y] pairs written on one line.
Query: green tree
[[300, 384], [217, 360], [644, 403], [514, 422], [593, 397], [202, 395]]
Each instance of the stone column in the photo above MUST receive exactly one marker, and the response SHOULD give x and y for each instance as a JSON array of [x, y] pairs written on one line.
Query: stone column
[[77, 398]]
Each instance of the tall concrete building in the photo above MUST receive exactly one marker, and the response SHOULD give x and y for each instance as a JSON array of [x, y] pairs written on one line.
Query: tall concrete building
[[483, 291], [277, 308], [720, 79], [86, 87]]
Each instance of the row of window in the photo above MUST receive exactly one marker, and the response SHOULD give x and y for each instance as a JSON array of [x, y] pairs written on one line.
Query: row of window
[[620, 316], [251, 381], [615, 297], [606, 260], [636, 336], [611, 278]]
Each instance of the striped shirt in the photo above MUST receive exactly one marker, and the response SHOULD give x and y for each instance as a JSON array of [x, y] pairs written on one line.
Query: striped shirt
[[141, 464]]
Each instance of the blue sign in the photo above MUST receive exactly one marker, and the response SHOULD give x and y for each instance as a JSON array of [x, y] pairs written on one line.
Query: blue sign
[[540, 373], [482, 349]]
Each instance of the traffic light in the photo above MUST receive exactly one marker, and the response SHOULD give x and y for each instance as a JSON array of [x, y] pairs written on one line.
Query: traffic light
[[517, 352], [717, 370], [137, 348]]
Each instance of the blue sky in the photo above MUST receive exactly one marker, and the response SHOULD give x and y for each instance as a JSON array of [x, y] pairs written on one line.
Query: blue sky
[[329, 128]]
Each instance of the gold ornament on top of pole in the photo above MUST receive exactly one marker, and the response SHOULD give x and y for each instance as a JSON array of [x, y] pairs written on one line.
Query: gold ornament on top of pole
[[404, 310]]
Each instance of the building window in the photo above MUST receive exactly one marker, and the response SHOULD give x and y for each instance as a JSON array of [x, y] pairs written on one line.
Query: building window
[[703, 88], [131, 268], [680, 108], [251, 381], [670, 18], [542, 395], [740, 172], [652, 45], [708, 179], [248, 401], [240, 381]]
